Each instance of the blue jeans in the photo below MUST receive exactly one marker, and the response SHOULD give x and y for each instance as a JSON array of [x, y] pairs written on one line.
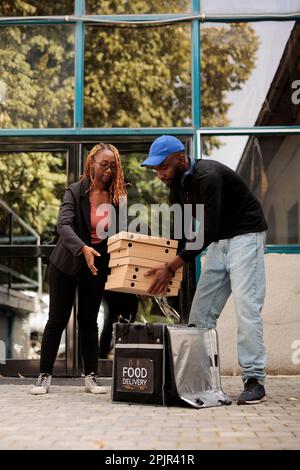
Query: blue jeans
[[235, 265]]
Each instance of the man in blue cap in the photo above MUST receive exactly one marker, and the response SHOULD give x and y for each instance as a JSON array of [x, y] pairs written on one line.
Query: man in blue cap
[[234, 232]]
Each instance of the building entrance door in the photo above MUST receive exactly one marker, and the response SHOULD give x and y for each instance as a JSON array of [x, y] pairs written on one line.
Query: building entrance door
[[144, 189], [33, 178]]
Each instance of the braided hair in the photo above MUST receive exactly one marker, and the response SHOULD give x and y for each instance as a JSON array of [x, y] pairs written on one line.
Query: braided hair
[[117, 188]]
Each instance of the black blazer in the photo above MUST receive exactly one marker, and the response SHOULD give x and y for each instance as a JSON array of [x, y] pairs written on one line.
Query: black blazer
[[73, 228]]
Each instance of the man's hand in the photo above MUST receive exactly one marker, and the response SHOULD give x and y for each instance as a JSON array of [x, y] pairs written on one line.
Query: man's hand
[[163, 276], [161, 280], [89, 254]]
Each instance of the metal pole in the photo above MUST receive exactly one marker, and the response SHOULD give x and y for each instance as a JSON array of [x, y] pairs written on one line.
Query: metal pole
[[79, 65], [196, 95]]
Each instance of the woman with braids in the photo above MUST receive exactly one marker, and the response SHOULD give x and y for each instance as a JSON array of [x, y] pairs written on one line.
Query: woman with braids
[[80, 262]]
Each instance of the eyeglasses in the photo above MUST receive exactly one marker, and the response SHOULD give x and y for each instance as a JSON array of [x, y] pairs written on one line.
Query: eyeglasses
[[106, 165]]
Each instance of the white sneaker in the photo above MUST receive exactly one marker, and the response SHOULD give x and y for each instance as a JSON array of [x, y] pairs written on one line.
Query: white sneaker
[[42, 385], [91, 385]]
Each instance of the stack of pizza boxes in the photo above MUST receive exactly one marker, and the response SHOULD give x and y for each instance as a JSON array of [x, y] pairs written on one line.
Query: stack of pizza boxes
[[132, 255]]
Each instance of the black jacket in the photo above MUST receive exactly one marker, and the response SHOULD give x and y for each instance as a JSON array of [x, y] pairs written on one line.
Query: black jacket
[[230, 208], [73, 228]]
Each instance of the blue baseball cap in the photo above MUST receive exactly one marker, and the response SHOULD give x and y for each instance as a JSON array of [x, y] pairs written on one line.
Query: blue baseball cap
[[161, 148]]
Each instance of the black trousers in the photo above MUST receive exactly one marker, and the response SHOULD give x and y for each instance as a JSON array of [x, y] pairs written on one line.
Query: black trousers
[[62, 290]]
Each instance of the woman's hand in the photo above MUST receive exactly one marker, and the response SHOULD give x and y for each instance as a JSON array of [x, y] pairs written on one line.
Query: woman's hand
[[89, 254]]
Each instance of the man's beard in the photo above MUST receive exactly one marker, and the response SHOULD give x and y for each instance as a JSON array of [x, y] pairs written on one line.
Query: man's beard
[[176, 180]]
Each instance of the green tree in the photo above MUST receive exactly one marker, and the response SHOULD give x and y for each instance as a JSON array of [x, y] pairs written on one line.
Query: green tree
[[138, 77], [137, 7], [36, 76], [36, 8]]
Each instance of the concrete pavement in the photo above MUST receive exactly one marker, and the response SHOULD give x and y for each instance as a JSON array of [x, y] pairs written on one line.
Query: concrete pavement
[[68, 418]]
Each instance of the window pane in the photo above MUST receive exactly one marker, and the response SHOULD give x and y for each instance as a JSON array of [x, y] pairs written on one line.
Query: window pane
[[127, 7], [36, 7], [250, 74], [143, 188], [31, 187], [36, 76], [255, 6], [270, 165], [138, 78]]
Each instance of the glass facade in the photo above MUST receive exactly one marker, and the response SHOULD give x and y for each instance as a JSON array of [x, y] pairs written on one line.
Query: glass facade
[[138, 78], [244, 7], [137, 7], [31, 189], [253, 83], [32, 185], [36, 76], [270, 165], [137, 70], [247, 74], [36, 8]]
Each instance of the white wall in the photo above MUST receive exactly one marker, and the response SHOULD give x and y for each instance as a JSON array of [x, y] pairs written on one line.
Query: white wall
[[281, 315]]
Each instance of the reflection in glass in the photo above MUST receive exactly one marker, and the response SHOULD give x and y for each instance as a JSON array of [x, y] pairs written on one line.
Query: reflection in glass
[[146, 188], [32, 185], [250, 74], [31, 190], [293, 223], [36, 76], [138, 77], [128, 7], [143, 186], [270, 165], [36, 8], [236, 7]]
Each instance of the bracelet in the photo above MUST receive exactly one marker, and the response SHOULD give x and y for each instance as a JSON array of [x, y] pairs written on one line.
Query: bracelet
[[171, 271]]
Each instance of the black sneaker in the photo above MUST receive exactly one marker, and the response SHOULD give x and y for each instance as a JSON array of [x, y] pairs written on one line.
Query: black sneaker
[[253, 393]]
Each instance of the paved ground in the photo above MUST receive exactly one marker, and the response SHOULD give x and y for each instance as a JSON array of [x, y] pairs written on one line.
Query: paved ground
[[68, 418]]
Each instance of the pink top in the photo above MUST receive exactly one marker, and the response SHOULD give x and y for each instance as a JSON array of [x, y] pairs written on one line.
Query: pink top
[[103, 219]]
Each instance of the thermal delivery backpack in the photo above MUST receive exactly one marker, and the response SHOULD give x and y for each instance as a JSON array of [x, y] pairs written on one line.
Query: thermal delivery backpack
[[159, 364]]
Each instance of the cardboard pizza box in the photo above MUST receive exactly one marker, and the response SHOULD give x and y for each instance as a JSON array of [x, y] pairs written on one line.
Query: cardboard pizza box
[[159, 257], [133, 270], [137, 262], [138, 274], [138, 237], [144, 248], [132, 287], [144, 283]]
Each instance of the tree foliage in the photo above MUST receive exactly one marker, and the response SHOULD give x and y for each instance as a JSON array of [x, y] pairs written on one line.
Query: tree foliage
[[138, 77], [137, 7]]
